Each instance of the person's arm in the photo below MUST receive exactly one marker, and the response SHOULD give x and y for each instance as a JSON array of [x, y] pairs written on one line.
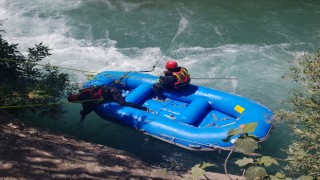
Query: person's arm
[[169, 81], [167, 73]]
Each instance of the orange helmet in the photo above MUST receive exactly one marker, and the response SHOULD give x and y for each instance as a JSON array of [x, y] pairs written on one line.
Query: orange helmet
[[171, 64]]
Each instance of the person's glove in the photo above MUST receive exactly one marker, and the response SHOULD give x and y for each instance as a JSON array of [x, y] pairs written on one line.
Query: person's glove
[[160, 78]]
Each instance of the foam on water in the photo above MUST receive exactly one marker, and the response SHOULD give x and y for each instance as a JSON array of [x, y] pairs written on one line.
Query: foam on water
[[68, 52], [185, 14]]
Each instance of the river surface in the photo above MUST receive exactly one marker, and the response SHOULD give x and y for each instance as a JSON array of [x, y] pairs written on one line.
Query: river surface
[[252, 40]]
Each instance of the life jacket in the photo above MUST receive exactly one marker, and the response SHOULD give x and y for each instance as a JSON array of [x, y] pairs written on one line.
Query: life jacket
[[91, 93], [183, 78]]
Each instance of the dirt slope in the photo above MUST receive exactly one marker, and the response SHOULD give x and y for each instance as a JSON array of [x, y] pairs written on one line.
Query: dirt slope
[[27, 152]]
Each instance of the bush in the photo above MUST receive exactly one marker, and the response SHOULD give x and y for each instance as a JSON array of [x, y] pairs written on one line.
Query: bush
[[304, 152], [24, 86]]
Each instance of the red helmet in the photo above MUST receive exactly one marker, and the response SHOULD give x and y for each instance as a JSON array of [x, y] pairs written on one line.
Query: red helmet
[[171, 64]]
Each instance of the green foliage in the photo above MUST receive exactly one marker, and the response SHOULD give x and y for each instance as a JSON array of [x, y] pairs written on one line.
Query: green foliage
[[255, 172], [304, 153], [22, 83], [255, 167], [305, 178], [199, 169], [267, 161], [280, 175], [245, 161], [248, 128], [244, 129], [264, 160], [246, 145]]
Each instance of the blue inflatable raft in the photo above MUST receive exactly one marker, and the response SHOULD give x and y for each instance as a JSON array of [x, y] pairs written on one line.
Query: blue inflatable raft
[[197, 118]]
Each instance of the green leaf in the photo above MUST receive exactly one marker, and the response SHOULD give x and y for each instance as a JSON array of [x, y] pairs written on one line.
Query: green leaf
[[251, 127], [233, 132], [280, 175], [197, 172], [246, 145], [254, 137], [255, 172], [268, 161], [243, 162], [305, 178], [271, 177], [205, 165]]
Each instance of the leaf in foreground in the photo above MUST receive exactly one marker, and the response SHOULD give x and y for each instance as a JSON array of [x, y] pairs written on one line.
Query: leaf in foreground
[[254, 172], [248, 128], [246, 145], [268, 161], [198, 170], [243, 162], [305, 178]]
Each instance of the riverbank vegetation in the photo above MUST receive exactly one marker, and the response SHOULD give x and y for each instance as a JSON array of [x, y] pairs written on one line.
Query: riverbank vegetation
[[304, 118], [25, 86]]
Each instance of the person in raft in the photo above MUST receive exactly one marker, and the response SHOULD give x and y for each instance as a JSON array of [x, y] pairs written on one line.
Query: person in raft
[[91, 96], [175, 78]]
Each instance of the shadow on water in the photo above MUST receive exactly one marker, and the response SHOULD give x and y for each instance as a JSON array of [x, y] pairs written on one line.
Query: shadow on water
[[151, 150]]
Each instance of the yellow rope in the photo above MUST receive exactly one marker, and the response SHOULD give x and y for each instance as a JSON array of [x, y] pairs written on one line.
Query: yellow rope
[[29, 105]]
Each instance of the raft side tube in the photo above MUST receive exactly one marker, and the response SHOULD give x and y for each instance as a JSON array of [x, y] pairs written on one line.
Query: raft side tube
[[139, 93], [194, 110]]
